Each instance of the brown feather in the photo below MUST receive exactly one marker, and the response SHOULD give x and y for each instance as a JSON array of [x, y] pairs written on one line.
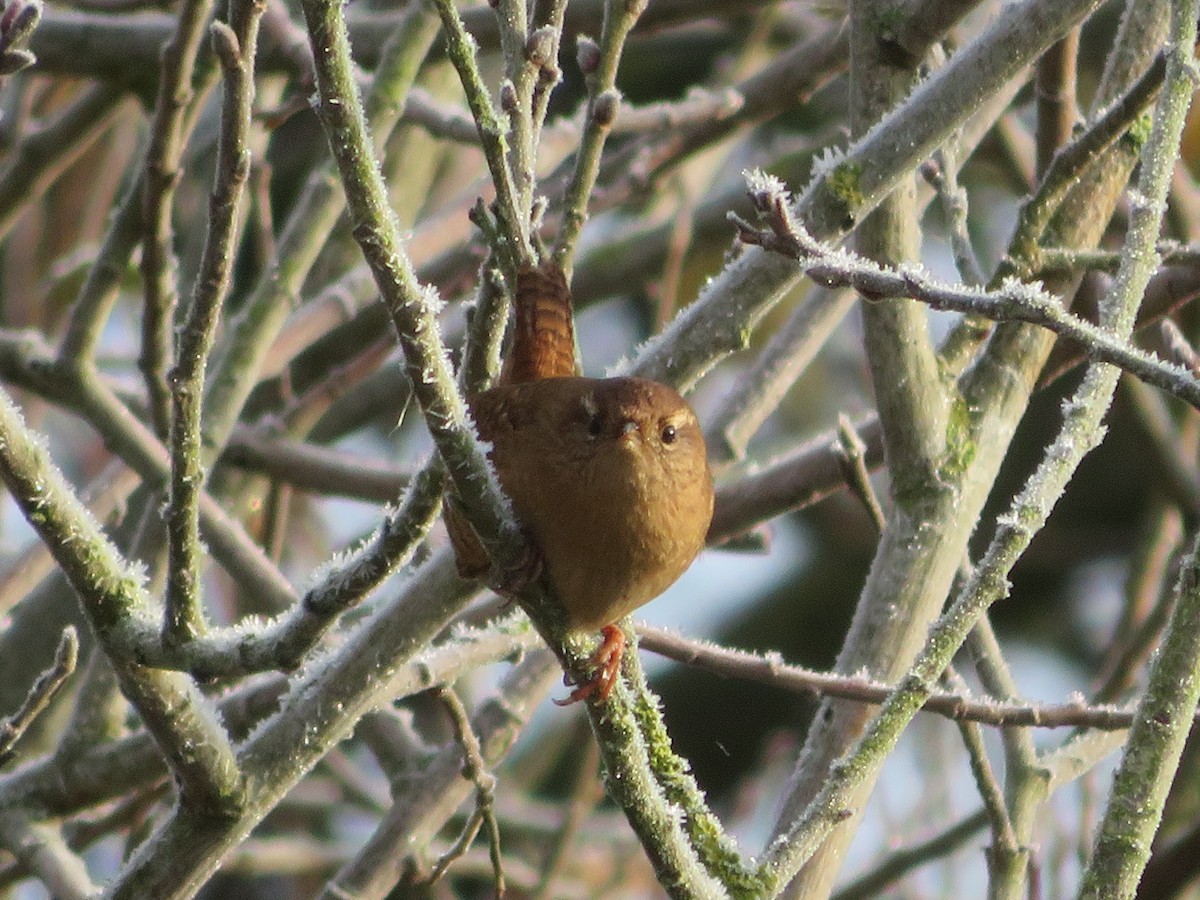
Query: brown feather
[[543, 344], [617, 513]]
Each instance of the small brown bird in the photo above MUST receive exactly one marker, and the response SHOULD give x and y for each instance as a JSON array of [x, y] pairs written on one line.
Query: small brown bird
[[610, 478]]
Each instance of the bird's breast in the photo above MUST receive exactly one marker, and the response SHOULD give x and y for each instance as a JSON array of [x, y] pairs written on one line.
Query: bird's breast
[[615, 534]]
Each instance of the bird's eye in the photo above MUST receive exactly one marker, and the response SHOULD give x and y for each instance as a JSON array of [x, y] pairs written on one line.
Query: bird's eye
[[669, 434]]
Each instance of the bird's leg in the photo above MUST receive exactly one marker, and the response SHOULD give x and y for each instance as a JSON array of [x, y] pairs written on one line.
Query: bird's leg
[[605, 666], [511, 582]]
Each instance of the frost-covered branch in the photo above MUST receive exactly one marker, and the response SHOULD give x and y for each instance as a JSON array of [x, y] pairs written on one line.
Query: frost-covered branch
[[168, 138], [1156, 741], [413, 307], [598, 62], [1080, 432], [183, 619], [389, 655], [493, 128], [960, 706], [283, 642], [113, 596], [849, 184], [428, 794], [1014, 301]]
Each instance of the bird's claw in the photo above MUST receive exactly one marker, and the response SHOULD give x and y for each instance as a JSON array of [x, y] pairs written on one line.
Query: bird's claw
[[605, 666]]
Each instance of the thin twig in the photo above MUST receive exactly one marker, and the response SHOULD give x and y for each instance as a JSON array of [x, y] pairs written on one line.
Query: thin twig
[[1180, 348], [485, 334], [776, 367], [426, 796], [168, 136], [1026, 779], [771, 670], [39, 158], [852, 455], [544, 52], [942, 175], [599, 65], [985, 776], [474, 769], [520, 48], [41, 692], [461, 845], [1157, 422], [314, 468], [1056, 88], [698, 106], [1171, 288], [797, 479], [442, 120], [460, 47], [1015, 301], [41, 849], [1071, 160], [1059, 260], [1148, 604], [183, 620], [98, 293]]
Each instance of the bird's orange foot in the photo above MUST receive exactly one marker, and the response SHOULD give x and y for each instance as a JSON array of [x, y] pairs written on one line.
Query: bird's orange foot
[[605, 666]]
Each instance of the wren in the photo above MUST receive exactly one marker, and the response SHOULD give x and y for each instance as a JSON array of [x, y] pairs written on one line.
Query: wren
[[608, 476]]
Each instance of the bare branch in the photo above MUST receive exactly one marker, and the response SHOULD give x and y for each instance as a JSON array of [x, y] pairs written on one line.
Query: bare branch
[[41, 692]]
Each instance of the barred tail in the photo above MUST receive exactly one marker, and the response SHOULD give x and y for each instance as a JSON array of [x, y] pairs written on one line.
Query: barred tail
[[543, 343]]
